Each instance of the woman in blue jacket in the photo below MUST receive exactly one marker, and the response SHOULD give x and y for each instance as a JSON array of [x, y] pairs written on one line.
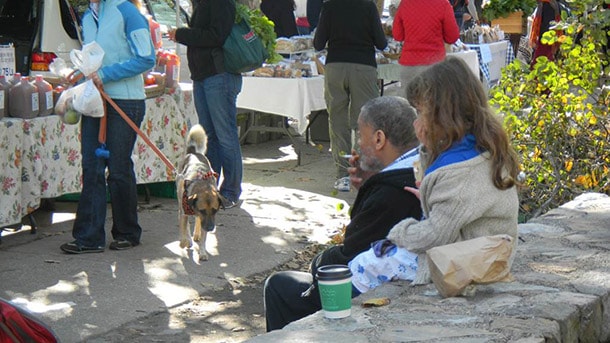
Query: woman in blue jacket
[[123, 33]]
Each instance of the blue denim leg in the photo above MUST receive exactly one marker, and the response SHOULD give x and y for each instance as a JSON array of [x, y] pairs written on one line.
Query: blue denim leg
[[120, 140], [88, 229], [215, 102]]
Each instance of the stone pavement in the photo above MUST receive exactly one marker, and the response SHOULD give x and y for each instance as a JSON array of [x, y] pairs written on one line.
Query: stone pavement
[[82, 296], [560, 293]]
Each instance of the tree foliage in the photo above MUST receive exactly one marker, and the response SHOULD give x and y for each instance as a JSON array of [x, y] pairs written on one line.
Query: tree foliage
[[557, 112]]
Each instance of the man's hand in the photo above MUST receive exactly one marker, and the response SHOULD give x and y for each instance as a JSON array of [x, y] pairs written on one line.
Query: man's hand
[[357, 176], [171, 34]]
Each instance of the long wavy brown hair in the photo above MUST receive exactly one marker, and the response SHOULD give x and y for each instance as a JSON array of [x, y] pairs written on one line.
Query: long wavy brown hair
[[453, 103]]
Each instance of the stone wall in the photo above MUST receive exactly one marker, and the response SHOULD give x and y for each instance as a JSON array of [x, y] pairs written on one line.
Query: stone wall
[[560, 293]]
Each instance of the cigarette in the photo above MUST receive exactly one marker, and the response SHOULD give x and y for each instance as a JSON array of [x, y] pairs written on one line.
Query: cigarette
[[347, 156]]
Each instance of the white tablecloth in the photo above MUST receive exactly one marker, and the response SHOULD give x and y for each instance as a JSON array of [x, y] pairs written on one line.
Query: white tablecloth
[[40, 157], [293, 98], [391, 71]]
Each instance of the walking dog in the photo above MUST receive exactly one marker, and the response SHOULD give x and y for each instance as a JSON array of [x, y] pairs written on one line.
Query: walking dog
[[197, 192]]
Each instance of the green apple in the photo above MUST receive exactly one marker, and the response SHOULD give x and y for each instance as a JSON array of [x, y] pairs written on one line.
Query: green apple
[[71, 117]]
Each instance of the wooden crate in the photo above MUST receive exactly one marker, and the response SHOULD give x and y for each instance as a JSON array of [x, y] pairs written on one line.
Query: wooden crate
[[513, 23]]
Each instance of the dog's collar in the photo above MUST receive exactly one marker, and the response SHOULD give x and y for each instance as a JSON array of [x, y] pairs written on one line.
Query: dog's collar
[[202, 176], [186, 207], [188, 210]]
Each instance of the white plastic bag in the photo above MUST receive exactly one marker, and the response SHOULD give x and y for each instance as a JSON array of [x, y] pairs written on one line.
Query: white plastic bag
[[60, 68], [89, 59], [84, 98]]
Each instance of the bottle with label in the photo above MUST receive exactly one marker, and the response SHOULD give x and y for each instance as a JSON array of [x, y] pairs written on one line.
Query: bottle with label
[[23, 100], [15, 79], [4, 86], [45, 96], [172, 69], [155, 33]]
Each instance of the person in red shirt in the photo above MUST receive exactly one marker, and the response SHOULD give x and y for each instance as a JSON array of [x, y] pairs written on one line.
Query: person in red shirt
[[424, 27]]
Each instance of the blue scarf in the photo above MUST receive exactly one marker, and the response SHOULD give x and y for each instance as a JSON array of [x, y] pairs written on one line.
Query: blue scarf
[[459, 152]]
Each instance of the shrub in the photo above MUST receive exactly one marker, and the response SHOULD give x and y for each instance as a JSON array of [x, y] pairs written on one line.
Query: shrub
[[557, 113]]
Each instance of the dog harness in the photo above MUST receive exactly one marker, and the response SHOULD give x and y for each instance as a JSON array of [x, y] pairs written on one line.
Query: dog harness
[[186, 207]]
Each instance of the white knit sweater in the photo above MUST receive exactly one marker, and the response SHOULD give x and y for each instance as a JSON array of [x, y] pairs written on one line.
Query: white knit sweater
[[459, 202]]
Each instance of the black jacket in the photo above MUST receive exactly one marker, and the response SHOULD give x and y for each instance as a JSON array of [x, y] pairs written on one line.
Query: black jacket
[[210, 26], [313, 12], [381, 202], [352, 29], [281, 13]]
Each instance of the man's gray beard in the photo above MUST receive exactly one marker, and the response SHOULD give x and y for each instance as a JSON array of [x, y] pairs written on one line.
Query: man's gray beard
[[370, 164]]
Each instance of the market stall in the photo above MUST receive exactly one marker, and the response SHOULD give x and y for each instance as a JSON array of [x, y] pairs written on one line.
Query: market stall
[[492, 58], [40, 157], [293, 98], [389, 72]]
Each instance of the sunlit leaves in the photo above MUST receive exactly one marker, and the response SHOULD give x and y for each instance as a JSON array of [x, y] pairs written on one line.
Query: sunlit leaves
[[557, 117]]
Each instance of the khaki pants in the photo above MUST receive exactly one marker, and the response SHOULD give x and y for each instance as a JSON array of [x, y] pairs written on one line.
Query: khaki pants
[[347, 86]]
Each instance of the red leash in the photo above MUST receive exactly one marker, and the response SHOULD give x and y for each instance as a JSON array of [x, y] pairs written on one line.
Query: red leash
[[159, 153], [72, 78]]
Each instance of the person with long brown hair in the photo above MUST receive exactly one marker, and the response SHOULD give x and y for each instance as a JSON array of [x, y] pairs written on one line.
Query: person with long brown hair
[[469, 187]]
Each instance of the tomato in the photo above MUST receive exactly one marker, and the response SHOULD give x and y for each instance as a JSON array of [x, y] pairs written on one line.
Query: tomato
[[150, 80]]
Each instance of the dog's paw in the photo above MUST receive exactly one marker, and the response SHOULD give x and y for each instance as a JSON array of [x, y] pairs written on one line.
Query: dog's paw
[[185, 243], [197, 236], [203, 256]]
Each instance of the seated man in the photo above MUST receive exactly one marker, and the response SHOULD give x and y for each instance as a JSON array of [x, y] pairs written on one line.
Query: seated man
[[388, 147]]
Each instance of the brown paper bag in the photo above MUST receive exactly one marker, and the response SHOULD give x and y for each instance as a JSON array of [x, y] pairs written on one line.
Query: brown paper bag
[[480, 260]]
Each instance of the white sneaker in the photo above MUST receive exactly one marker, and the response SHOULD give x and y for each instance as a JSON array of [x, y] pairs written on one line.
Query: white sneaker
[[343, 184]]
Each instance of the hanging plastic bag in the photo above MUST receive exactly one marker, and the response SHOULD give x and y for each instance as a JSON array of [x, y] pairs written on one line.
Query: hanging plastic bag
[[84, 98], [89, 102], [89, 59]]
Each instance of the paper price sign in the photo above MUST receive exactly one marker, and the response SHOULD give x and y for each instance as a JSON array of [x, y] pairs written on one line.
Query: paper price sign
[[7, 60]]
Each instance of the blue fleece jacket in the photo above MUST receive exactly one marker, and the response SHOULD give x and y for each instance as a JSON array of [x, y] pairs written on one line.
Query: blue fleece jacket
[[123, 32]]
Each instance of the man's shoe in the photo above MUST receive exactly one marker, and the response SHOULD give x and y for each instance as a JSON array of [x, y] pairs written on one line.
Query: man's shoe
[[74, 248], [121, 244], [230, 204]]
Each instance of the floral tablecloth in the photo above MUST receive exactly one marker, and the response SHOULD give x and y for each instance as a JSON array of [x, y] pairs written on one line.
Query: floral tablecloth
[[40, 157]]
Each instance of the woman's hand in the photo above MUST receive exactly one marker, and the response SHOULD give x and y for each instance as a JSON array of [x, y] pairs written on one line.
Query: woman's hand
[[96, 80], [414, 190]]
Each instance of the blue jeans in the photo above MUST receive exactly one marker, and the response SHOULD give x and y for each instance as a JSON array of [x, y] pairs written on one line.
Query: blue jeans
[[88, 229], [215, 102]]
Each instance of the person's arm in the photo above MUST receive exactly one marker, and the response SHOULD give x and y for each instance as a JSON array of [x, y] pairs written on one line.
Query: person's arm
[[451, 31], [214, 36], [398, 30], [322, 31], [313, 12], [453, 200], [138, 36], [379, 38], [372, 223], [472, 10]]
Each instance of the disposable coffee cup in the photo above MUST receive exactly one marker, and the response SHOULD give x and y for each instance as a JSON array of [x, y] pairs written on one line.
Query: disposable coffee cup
[[335, 287]]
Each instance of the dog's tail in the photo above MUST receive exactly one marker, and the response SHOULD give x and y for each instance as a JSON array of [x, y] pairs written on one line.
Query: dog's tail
[[197, 140]]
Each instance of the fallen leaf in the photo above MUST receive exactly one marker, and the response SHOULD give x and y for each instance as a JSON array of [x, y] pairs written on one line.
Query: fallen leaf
[[376, 302]]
